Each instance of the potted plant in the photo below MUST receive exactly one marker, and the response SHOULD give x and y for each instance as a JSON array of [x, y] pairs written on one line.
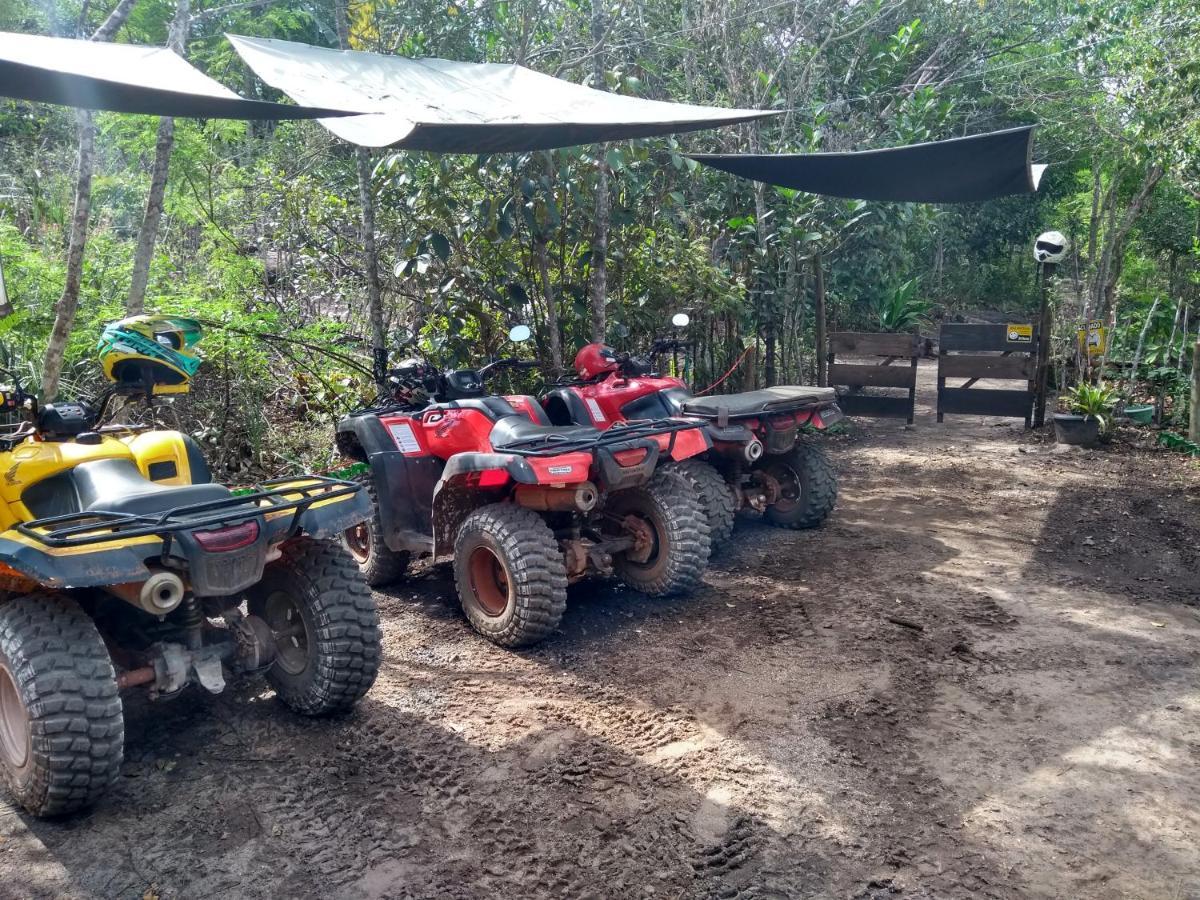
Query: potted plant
[[1088, 416]]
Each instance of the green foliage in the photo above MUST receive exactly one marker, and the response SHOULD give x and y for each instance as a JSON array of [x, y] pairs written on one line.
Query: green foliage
[[902, 309], [1095, 401], [260, 233], [1178, 442]]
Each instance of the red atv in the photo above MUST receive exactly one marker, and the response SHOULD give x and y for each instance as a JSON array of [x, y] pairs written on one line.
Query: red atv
[[758, 458], [524, 507]]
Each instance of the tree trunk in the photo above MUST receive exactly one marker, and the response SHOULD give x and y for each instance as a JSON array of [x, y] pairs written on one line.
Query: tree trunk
[[1114, 245], [68, 303], [1094, 221], [598, 283], [6, 308], [366, 201], [135, 304], [1137, 356], [819, 312], [542, 256]]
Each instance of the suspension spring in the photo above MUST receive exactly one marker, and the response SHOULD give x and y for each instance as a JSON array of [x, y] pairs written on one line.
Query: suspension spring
[[192, 620]]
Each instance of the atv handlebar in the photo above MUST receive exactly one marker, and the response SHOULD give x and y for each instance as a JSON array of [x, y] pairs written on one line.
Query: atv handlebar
[[509, 363]]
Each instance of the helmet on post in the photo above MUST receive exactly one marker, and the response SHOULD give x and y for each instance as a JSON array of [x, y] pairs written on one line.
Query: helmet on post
[[152, 352], [594, 360]]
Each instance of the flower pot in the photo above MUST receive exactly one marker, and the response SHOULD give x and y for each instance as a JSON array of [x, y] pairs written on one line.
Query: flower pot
[[1140, 413], [1082, 431]]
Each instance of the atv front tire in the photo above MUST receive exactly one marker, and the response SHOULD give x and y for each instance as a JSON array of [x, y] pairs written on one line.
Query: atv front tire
[[378, 563], [326, 627], [676, 524], [510, 575], [717, 498], [62, 730], [809, 484]]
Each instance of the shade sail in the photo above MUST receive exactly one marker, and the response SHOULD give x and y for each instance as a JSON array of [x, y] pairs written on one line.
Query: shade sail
[[125, 78], [461, 107], [959, 170]]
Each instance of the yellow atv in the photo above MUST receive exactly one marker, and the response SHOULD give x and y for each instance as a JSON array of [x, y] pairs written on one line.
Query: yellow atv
[[123, 565]]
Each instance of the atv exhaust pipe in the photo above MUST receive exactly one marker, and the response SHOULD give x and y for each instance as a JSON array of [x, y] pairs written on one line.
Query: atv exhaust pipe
[[753, 450], [543, 498], [157, 595]]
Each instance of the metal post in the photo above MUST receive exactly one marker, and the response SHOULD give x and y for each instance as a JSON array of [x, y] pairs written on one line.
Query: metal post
[[1045, 324]]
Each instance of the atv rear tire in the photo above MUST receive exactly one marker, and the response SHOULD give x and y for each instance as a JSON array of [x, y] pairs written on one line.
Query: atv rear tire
[[510, 575], [809, 484], [717, 499], [679, 530], [326, 627], [378, 563], [62, 730]]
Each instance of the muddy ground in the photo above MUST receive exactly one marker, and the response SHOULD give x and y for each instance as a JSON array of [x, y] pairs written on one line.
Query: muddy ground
[[786, 732]]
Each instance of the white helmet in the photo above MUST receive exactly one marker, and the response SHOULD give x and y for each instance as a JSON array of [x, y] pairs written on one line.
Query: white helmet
[[1050, 247]]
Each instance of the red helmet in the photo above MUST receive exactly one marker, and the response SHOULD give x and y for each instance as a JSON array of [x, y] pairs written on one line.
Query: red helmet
[[594, 360]]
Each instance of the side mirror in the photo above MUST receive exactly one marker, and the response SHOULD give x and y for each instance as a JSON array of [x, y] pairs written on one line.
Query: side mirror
[[681, 320], [519, 333], [620, 329]]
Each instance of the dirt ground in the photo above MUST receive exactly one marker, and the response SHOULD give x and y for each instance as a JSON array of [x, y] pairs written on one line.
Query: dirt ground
[[980, 679]]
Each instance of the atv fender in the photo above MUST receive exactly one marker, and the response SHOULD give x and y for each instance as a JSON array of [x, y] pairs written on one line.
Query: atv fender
[[458, 494], [70, 569], [325, 520], [404, 485]]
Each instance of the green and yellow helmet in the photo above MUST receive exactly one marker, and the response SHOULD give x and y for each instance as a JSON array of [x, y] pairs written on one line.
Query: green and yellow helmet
[[151, 351]]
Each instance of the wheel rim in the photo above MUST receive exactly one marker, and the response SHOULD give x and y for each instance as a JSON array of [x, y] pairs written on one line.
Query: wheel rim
[[358, 542], [789, 486], [14, 723], [292, 637], [490, 583], [648, 528]]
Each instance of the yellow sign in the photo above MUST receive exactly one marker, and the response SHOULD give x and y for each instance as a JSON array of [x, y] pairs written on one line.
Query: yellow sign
[[1020, 334], [1093, 338]]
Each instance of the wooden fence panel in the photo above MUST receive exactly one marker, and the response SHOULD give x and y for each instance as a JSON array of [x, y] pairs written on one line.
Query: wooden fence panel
[[991, 351], [894, 348]]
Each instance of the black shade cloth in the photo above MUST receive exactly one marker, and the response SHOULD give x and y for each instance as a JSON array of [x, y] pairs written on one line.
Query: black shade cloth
[[960, 170], [448, 106], [125, 78]]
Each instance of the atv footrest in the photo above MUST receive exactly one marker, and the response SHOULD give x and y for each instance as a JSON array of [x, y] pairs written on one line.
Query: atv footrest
[[275, 496]]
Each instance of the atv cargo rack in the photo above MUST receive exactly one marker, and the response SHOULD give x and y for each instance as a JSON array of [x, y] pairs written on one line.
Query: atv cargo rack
[[84, 529], [638, 429]]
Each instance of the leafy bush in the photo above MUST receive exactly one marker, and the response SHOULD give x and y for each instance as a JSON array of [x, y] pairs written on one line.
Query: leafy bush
[[902, 310], [1095, 401]]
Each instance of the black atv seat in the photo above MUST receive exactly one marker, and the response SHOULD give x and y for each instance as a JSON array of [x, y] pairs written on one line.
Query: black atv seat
[[756, 403], [516, 429], [493, 407], [116, 486]]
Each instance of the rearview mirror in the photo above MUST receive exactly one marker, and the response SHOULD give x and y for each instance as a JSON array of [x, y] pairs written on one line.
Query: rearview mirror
[[519, 333], [620, 329], [681, 320]]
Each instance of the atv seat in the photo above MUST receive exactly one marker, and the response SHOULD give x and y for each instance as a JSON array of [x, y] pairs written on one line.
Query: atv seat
[[784, 398], [117, 486], [516, 429]]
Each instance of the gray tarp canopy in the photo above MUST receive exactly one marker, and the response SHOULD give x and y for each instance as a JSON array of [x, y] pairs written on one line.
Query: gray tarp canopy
[[462, 107], [959, 170], [126, 78]]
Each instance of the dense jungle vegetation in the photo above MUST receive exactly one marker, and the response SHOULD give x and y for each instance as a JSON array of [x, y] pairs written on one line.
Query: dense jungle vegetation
[[261, 223]]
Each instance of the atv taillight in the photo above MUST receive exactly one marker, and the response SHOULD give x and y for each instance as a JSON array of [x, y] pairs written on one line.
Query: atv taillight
[[626, 458], [235, 537]]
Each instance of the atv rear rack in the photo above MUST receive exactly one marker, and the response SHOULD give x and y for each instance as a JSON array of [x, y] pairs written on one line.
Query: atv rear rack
[[84, 529], [637, 429]]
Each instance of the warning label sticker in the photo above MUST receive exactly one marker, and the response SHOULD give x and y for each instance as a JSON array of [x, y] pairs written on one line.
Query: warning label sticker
[[1020, 334], [594, 409], [402, 434]]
